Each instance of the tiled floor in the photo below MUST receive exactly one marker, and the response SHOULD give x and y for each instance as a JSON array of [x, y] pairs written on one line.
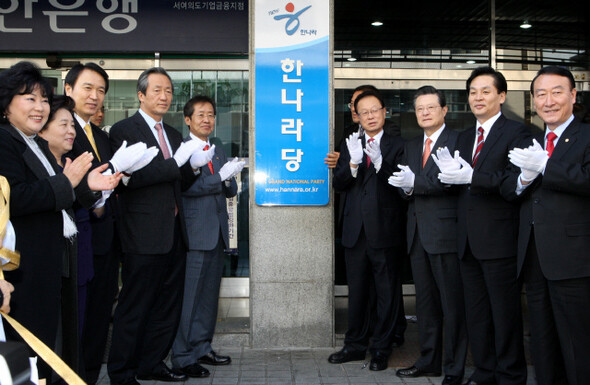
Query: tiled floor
[[304, 366]]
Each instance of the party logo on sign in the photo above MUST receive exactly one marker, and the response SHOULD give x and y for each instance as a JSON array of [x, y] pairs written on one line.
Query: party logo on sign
[[292, 18]]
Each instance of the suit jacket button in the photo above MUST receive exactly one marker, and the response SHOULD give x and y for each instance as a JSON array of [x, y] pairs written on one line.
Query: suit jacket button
[[536, 200]]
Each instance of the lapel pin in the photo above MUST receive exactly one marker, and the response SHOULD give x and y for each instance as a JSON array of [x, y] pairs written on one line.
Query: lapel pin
[[567, 140]]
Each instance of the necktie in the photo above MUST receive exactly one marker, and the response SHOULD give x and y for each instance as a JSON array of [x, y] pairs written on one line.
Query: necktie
[[208, 164], [165, 152], [90, 137], [369, 159], [479, 145], [550, 145], [163, 145], [426, 153]]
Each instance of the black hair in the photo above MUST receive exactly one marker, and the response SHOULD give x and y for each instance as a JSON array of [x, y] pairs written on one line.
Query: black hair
[[499, 79], [59, 102], [142, 81], [20, 79], [75, 71], [189, 107], [554, 70], [430, 90], [366, 87], [366, 94]]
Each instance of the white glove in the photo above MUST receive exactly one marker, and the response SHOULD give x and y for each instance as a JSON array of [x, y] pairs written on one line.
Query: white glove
[[231, 168], [531, 159], [445, 161], [461, 176], [125, 157], [105, 194], [187, 149], [373, 151], [145, 159], [403, 179], [239, 166], [200, 158], [355, 148]]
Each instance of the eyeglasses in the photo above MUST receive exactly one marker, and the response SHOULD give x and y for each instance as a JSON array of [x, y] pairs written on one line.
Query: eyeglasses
[[350, 105], [422, 109], [366, 113], [202, 116]]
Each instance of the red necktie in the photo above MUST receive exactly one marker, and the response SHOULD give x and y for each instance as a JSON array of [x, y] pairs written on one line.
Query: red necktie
[[163, 145], [479, 145], [369, 159], [208, 164], [550, 145], [426, 153]]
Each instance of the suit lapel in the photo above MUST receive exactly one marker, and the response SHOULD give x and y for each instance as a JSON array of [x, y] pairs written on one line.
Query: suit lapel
[[415, 156], [31, 159], [566, 140], [82, 139], [495, 134], [146, 132], [370, 171], [440, 143]]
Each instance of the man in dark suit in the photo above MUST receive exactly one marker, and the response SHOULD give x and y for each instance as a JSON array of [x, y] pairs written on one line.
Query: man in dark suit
[[98, 277], [432, 245], [205, 210], [554, 231], [331, 160], [153, 237], [373, 219], [487, 232]]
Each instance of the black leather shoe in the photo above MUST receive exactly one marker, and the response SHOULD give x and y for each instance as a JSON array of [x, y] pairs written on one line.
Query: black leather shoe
[[194, 370], [452, 380], [163, 373], [379, 361], [213, 358], [398, 340], [413, 371], [346, 355]]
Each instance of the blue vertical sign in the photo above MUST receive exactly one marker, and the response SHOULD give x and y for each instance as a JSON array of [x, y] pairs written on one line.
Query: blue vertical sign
[[292, 93]]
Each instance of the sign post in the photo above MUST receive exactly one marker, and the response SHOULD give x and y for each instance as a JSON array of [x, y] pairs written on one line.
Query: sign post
[[292, 61]]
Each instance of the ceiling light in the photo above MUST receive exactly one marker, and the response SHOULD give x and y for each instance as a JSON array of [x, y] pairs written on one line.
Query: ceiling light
[[470, 61], [525, 25], [377, 24], [351, 59]]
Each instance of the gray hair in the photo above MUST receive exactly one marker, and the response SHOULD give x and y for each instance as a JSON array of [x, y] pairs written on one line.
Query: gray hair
[[142, 81]]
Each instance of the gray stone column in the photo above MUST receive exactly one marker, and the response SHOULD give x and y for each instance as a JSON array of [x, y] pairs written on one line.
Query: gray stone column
[[291, 260]]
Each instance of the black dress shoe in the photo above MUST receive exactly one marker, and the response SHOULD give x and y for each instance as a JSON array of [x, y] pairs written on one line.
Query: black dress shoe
[[213, 358], [413, 371], [379, 361], [398, 340], [452, 380], [346, 355], [162, 373], [194, 370]]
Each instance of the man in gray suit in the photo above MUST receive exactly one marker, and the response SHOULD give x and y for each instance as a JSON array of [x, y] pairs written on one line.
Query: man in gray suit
[[207, 227], [432, 245]]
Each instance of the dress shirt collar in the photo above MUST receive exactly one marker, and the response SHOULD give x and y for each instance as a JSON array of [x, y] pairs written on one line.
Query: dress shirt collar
[[487, 126], [81, 121], [376, 137], [192, 136], [150, 121], [558, 130], [434, 137]]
